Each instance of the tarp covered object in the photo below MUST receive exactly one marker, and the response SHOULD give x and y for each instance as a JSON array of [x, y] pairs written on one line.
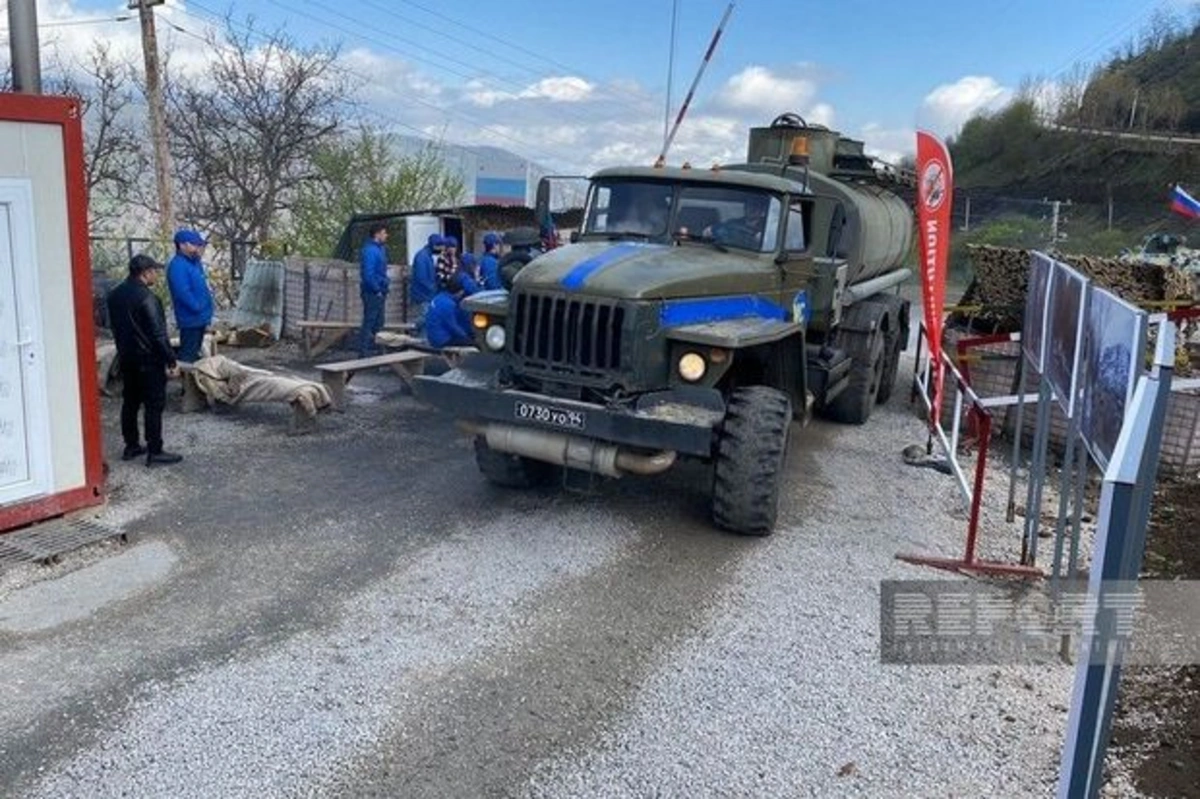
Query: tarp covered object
[[232, 383]]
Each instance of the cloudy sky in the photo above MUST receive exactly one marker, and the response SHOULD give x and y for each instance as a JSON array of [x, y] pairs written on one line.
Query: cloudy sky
[[578, 85]]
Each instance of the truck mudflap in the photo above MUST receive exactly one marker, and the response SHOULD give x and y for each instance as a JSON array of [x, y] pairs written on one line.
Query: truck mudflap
[[682, 420]]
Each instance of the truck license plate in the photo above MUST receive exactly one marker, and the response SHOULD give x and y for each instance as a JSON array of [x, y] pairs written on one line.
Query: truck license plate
[[545, 414]]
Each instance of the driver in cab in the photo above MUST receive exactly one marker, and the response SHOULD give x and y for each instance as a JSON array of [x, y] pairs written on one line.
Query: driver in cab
[[745, 232]]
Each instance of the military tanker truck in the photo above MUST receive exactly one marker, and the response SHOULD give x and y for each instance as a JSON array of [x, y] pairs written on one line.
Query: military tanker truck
[[697, 313]]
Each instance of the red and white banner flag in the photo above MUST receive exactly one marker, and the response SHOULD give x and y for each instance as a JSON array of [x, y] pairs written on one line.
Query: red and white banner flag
[[935, 194]]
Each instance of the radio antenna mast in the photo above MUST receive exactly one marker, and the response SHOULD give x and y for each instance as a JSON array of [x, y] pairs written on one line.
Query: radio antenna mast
[[712, 46]]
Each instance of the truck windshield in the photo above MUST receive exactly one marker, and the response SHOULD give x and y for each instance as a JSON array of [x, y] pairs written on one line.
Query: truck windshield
[[638, 208], [729, 216], [744, 218]]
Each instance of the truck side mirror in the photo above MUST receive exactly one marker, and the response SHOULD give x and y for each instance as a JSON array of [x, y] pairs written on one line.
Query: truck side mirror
[[541, 208], [574, 236]]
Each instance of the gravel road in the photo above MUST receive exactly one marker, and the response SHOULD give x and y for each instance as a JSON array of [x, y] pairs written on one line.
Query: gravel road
[[356, 613]]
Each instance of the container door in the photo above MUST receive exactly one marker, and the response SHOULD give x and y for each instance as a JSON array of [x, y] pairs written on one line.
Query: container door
[[417, 230], [24, 426]]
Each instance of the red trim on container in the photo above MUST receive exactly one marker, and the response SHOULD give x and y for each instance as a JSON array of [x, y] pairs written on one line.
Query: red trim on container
[[65, 112]]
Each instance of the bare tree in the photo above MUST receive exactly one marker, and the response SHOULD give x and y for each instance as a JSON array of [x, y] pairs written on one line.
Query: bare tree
[[114, 144], [244, 133]]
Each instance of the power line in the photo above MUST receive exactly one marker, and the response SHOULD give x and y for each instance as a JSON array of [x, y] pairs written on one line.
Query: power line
[[603, 92], [67, 23], [386, 45], [509, 45], [350, 73]]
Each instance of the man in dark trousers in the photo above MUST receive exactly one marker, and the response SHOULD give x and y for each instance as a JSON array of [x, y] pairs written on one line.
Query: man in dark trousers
[[144, 352], [374, 284], [190, 294]]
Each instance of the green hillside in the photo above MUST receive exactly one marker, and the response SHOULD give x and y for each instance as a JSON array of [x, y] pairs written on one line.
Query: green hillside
[[1140, 98]]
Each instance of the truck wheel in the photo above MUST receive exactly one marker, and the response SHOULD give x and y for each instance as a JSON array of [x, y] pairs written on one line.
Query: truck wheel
[[891, 366], [510, 471], [855, 403], [749, 463]]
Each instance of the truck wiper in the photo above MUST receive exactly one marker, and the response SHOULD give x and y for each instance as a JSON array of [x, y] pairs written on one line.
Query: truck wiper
[[629, 235]]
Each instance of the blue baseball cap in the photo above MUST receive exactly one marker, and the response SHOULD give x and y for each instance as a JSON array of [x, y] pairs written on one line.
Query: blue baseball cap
[[186, 236], [449, 241], [468, 259], [435, 240], [491, 240]]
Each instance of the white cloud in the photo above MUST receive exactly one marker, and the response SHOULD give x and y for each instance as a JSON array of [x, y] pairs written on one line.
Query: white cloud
[[558, 89], [947, 107], [566, 122], [567, 89], [763, 91], [888, 144]]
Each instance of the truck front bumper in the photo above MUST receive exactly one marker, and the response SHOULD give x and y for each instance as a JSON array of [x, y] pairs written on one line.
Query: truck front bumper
[[679, 420]]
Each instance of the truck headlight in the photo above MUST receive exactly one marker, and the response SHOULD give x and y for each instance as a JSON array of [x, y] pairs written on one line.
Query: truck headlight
[[495, 338], [692, 367]]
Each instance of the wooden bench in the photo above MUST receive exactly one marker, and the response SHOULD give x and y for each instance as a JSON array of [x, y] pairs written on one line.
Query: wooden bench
[[406, 363], [317, 335]]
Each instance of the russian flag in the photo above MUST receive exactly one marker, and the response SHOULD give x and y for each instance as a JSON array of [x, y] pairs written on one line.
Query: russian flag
[[1184, 203]]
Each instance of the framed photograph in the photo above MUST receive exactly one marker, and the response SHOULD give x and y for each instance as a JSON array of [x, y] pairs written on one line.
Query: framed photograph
[[1064, 332], [1037, 298], [1114, 338]]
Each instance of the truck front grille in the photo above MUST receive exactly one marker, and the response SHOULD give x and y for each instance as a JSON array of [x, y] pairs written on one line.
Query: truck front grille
[[568, 335]]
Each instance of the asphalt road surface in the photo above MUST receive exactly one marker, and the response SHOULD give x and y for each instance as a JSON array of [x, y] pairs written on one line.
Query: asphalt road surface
[[357, 613]]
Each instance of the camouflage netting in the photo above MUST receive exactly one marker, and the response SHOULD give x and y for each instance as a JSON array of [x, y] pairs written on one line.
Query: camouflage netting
[[1002, 275]]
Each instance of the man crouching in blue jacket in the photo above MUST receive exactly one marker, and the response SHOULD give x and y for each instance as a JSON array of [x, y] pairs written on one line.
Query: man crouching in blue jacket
[[374, 285], [190, 295], [446, 324]]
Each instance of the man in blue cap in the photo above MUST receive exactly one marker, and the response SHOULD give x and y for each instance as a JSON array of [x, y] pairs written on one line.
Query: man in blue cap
[[374, 284], [469, 274], [190, 295], [422, 283], [489, 262]]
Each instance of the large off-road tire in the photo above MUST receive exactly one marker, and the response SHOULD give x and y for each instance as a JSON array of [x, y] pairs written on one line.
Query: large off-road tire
[[891, 366], [749, 462], [510, 471], [857, 400]]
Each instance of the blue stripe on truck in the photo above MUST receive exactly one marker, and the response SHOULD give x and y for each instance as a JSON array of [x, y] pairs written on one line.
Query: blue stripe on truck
[[719, 309], [579, 274]]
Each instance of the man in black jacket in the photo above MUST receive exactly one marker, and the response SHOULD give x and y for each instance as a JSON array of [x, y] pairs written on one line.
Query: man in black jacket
[[139, 327]]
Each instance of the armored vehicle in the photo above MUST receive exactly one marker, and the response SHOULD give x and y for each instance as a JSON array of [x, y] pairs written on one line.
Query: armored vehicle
[[698, 313]]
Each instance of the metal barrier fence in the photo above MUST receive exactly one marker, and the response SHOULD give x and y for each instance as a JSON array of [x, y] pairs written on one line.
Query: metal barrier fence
[[979, 419]]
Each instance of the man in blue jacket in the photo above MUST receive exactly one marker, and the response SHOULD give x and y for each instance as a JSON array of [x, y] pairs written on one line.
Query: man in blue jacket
[[489, 262], [472, 279], [190, 295], [374, 285], [422, 283], [446, 324]]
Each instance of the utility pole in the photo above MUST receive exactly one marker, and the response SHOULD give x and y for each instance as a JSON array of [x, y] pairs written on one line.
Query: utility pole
[[23, 44], [967, 216], [158, 115]]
